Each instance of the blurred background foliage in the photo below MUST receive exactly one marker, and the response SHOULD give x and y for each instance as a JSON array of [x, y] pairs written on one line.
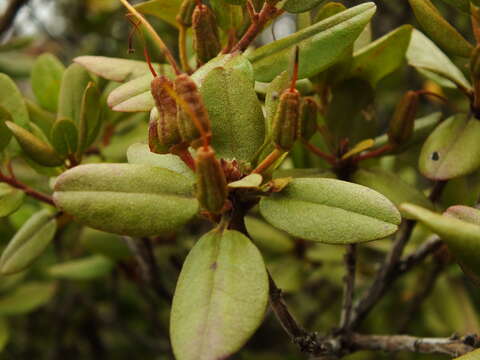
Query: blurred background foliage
[[48, 313]]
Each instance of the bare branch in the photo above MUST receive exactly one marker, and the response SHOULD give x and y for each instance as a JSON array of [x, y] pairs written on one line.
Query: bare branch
[[9, 16], [349, 287]]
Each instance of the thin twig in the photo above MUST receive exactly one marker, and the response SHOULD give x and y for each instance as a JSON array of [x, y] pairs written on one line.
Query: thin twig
[[12, 181], [349, 287], [10, 13], [426, 249]]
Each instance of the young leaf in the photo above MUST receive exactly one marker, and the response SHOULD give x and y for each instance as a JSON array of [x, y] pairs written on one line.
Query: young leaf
[[452, 150], [126, 199], [141, 154], [28, 243], [426, 57], [35, 148], [64, 137], [220, 299], [5, 134], [40, 117], [90, 123], [383, 56], [321, 44], [227, 91], [114, 69], [435, 25], [331, 211], [133, 96], [300, 6], [46, 79], [10, 199], [74, 81], [92, 267], [11, 100], [392, 186], [26, 298], [166, 10]]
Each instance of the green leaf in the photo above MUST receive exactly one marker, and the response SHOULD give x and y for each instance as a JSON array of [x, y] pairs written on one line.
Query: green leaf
[[321, 44], [299, 6], [272, 97], [90, 122], [465, 213], [268, 238], [35, 148], [331, 211], [140, 154], [92, 267], [11, 100], [126, 199], [474, 355], [391, 186], [439, 30], [328, 10], [74, 81], [383, 56], [109, 245], [462, 237], [10, 199], [40, 117], [46, 79], [252, 181], [462, 5], [5, 134], [452, 150], [227, 91], [64, 137], [28, 243], [220, 299], [426, 57], [114, 69], [4, 333], [26, 298], [166, 10]]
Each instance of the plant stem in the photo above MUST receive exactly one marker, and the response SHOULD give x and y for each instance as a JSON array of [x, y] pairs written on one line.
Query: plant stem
[[268, 12], [182, 48], [26, 189], [350, 259], [268, 161], [374, 153], [315, 150]]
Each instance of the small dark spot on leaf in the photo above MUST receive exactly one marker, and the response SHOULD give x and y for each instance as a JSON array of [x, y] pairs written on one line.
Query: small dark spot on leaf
[[213, 266], [435, 156]]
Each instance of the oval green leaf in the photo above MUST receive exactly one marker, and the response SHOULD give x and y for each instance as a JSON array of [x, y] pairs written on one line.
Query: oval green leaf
[[46, 79], [92, 267], [64, 137], [28, 243], [299, 6], [12, 101], [331, 211], [126, 199], [10, 199], [166, 10], [220, 299], [26, 298], [321, 44], [452, 150], [90, 121]]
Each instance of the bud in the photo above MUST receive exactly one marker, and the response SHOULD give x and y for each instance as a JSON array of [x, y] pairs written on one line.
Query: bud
[[191, 129], [185, 14], [286, 120], [206, 39], [475, 63], [308, 118], [212, 189], [401, 125], [163, 130]]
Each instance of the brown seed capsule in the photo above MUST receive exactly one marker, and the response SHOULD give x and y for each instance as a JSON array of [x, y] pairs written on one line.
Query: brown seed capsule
[[163, 127], [286, 120], [194, 123], [401, 125], [212, 188], [206, 39], [308, 118], [185, 14]]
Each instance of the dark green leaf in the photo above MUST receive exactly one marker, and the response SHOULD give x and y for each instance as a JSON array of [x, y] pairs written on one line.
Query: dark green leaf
[[11, 100], [10, 199], [64, 137], [92, 267], [299, 6], [5, 134], [26, 298], [46, 79], [90, 123]]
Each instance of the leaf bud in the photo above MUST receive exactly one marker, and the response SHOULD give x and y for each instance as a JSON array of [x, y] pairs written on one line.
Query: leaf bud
[[192, 117], [185, 14], [308, 118], [206, 39], [286, 120], [401, 125], [212, 188]]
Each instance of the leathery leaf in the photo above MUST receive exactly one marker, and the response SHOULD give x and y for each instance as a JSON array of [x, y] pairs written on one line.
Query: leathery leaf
[[126, 199], [331, 211], [220, 299]]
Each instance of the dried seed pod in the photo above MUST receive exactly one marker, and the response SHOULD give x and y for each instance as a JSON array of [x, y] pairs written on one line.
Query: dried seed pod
[[206, 39], [286, 120], [163, 130], [192, 117], [308, 118], [401, 125], [185, 14], [212, 189]]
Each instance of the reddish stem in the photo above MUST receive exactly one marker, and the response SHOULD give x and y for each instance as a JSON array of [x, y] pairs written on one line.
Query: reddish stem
[[186, 157], [268, 161], [327, 157], [375, 153], [27, 190]]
